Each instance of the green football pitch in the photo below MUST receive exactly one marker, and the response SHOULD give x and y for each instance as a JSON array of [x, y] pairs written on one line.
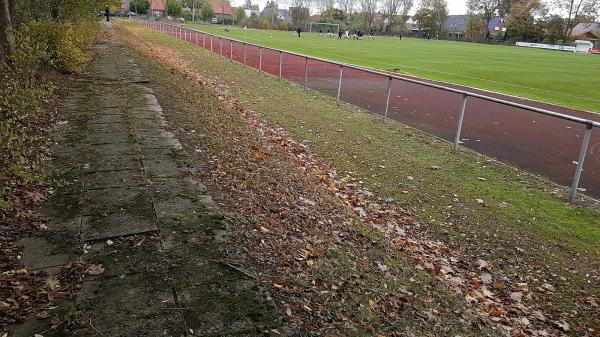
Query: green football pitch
[[562, 78]]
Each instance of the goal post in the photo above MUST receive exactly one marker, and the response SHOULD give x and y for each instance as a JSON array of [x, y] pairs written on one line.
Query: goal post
[[315, 26]]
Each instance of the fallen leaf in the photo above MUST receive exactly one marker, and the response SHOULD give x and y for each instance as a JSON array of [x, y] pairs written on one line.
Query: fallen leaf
[[95, 269], [485, 278], [516, 296], [482, 264], [382, 267], [564, 326]]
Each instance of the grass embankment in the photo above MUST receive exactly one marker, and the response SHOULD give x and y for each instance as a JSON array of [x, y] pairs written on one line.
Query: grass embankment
[[507, 69], [516, 221]]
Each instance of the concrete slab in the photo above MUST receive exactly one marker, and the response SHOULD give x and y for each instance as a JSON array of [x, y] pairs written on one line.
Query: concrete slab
[[132, 200], [117, 149], [102, 227], [111, 179], [164, 166], [38, 253], [112, 163], [109, 138]]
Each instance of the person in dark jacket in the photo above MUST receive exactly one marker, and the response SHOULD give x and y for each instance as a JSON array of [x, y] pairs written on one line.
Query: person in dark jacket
[[107, 12]]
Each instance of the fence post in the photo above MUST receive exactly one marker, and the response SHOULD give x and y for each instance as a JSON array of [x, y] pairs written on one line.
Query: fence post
[[259, 58], [211, 46], [244, 53], [460, 122], [196, 39], [221, 46], [337, 100], [204, 40], [387, 98], [305, 72], [231, 50], [582, 153], [280, 56]]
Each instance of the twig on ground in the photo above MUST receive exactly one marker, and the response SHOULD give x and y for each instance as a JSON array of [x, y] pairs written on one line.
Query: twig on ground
[[93, 327], [225, 263]]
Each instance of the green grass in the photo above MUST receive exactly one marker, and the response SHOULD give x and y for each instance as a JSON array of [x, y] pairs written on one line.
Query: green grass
[[562, 78], [365, 143], [524, 223]]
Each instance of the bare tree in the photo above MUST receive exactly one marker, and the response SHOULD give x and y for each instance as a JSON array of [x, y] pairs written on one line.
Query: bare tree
[[487, 9], [575, 9], [300, 12], [347, 6], [7, 35], [393, 8], [322, 5], [368, 9]]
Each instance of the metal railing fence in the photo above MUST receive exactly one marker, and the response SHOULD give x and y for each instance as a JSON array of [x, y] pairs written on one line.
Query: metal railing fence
[[272, 60]]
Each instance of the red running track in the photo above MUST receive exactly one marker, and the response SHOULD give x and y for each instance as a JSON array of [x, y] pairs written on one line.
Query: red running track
[[535, 143]]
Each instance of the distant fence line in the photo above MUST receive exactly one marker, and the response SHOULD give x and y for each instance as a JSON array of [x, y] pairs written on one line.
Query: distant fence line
[[194, 36]]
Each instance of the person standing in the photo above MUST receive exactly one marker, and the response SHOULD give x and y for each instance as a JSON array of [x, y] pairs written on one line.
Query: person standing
[[340, 33], [107, 12]]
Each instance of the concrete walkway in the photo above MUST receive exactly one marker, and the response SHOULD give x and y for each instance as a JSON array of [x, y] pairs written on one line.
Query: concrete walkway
[[128, 203]]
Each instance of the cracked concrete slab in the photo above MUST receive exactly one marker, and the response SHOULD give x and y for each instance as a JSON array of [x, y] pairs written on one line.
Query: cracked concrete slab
[[114, 179]]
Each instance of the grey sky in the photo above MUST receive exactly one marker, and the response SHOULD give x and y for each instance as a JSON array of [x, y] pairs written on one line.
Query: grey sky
[[454, 6]]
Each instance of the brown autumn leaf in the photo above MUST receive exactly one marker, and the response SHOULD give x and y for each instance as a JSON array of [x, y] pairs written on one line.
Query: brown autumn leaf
[[42, 315], [486, 278], [94, 270], [516, 296]]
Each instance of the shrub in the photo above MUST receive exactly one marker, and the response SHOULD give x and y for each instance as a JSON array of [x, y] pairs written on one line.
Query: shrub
[[26, 89], [60, 45], [22, 93], [284, 25]]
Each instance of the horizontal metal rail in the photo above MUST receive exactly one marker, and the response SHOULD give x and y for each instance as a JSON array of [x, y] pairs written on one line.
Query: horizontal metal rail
[[464, 93], [424, 83]]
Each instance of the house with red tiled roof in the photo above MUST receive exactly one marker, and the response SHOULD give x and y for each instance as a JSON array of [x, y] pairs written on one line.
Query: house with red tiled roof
[[158, 7], [584, 30], [222, 9]]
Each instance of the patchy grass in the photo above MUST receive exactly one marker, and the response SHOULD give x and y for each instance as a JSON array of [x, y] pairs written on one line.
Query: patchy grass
[[523, 226]]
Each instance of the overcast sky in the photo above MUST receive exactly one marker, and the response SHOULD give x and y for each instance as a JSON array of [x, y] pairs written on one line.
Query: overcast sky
[[454, 6]]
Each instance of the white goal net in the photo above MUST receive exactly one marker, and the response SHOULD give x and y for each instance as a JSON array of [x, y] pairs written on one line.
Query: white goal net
[[324, 28]]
